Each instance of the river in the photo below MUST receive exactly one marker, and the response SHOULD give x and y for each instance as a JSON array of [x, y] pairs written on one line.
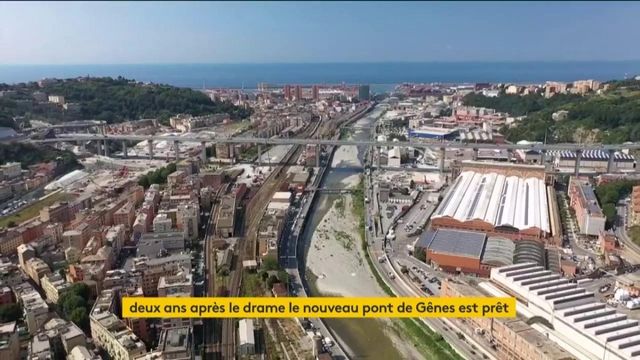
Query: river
[[364, 338]]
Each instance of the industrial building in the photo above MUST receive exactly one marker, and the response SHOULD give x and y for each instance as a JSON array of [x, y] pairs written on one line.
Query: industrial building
[[435, 133], [475, 253], [589, 215], [514, 339], [226, 216], [498, 204], [585, 327], [592, 160]]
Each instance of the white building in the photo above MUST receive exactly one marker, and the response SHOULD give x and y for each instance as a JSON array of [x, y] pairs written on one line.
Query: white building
[[581, 324], [394, 157], [162, 223], [53, 286], [246, 338]]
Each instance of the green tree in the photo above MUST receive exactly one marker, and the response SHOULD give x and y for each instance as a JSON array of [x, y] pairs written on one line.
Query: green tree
[[10, 312], [69, 302], [80, 317], [609, 211], [272, 280], [270, 263], [283, 277]]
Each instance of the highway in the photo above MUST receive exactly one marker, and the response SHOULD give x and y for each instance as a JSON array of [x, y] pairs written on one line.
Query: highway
[[400, 287], [207, 138]]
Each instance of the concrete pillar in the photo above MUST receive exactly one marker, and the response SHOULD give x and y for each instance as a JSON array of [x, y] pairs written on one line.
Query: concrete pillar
[[379, 156], [150, 144], [441, 159], [124, 149], [318, 149], [578, 158], [176, 147], [543, 156], [474, 157], [259, 159], [106, 148], [203, 152], [611, 160]]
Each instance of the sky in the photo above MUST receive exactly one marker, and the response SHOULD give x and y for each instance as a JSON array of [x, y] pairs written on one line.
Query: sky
[[315, 32]]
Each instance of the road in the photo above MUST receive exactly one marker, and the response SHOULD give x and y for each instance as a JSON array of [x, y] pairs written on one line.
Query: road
[[337, 142], [401, 287], [631, 251]]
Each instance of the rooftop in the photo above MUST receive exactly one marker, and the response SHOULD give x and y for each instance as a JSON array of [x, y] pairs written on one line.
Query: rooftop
[[455, 242], [591, 326], [497, 199]]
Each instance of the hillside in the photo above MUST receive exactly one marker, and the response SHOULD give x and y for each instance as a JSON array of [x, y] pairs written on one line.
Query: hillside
[[28, 154], [610, 117], [112, 100]]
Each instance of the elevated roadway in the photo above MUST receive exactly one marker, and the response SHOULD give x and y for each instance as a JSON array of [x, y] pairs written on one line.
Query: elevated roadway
[[206, 138]]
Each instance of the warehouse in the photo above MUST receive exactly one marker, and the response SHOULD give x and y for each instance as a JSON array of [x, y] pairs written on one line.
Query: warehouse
[[587, 328], [454, 250], [499, 205], [593, 160], [435, 133]]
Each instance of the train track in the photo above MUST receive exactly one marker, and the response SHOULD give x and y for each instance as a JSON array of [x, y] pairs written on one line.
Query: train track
[[210, 325], [248, 243]]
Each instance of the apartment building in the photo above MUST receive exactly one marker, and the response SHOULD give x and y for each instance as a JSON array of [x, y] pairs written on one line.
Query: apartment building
[[187, 219], [634, 206], [36, 310], [36, 268], [179, 285], [176, 343], [53, 286], [152, 270], [583, 201], [9, 341], [110, 333]]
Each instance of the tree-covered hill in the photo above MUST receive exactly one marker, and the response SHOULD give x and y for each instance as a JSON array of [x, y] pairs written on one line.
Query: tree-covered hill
[[113, 100], [28, 154], [610, 117]]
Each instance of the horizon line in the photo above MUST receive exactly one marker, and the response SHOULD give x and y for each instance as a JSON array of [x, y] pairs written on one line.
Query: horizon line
[[330, 62]]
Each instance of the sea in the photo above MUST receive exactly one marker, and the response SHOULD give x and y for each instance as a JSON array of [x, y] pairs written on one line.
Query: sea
[[381, 76]]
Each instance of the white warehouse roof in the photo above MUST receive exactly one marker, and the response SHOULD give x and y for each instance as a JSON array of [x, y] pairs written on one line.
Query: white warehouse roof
[[498, 200], [588, 326]]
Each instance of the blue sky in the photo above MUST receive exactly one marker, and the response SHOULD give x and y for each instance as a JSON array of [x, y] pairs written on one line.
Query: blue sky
[[198, 32]]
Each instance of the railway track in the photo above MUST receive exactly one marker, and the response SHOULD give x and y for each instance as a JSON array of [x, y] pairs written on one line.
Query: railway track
[[248, 244]]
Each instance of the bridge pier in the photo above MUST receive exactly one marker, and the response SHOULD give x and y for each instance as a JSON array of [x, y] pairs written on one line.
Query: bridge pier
[[379, 148], [176, 147], [203, 152], [318, 149], [150, 144], [106, 148], [543, 157], [611, 162], [474, 156], [259, 155], [441, 159], [578, 158], [124, 149]]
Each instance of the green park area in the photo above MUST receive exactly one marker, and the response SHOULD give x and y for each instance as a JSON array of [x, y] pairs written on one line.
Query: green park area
[[33, 209]]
